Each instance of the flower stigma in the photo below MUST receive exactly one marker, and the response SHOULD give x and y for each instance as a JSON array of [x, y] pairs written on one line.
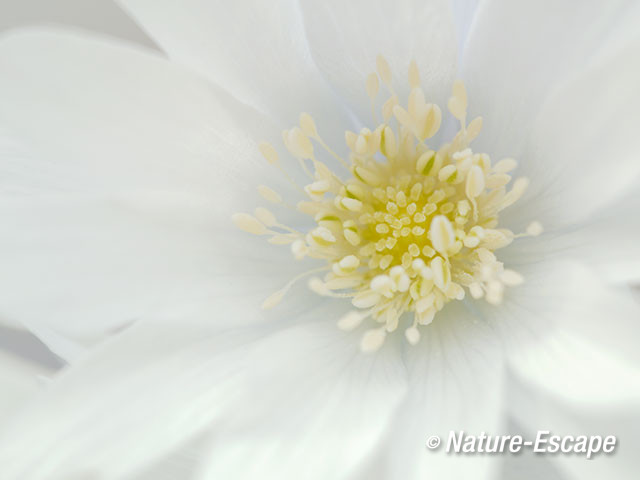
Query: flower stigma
[[411, 228]]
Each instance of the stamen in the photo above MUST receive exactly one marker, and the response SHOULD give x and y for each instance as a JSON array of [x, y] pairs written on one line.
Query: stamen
[[249, 224], [383, 70], [276, 297], [269, 153], [269, 195], [405, 234], [373, 340], [534, 229]]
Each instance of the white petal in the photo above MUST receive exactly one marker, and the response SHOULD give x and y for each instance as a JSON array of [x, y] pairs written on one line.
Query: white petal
[[346, 37], [57, 341], [583, 150], [517, 51], [534, 410], [84, 114], [127, 405], [18, 382], [456, 378], [320, 406], [256, 50], [577, 371], [588, 354], [182, 463], [608, 241], [527, 465], [159, 384], [83, 267], [116, 171], [574, 342], [562, 302], [464, 14]]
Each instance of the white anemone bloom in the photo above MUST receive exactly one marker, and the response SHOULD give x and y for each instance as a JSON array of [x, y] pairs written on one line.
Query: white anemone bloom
[[122, 170]]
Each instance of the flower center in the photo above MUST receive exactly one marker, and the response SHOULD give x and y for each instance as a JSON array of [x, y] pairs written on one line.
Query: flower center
[[411, 228]]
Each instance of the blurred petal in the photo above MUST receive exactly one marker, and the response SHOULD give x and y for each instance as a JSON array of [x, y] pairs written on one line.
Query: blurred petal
[[571, 339], [182, 463], [535, 410], [568, 333], [527, 465], [148, 391], [56, 341], [18, 382], [456, 383], [464, 14], [582, 153], [24, 344], [256, 50], [577, 371], [322, 406], [84, 266], [346, 37], [586, 352], [121, 168], [607, 241], [517, 51], [90, 115], [158, 385]]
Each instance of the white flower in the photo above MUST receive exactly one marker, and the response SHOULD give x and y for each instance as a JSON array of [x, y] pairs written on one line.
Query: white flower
[[122, 170]]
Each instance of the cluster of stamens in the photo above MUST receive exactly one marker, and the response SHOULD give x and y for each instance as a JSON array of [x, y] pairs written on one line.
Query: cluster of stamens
[[412, 228]]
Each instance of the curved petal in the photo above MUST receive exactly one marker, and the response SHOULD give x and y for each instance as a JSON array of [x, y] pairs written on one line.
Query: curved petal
[[158, 385], [256, 50], [346, 37], [566, 332], [578, 371], [183, 463], [26, 345], [572, 340], [85, 266], [589, 356], [517, 51], [464, 14], [582, 153], [120, 173], [535, 410], [84, 114], [456, 383], [608, 240], [137, 398], [338, 410], [527, 465], [18, 382]]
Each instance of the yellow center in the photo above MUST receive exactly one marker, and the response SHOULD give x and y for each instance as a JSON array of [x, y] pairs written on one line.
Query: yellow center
[[412, 228]]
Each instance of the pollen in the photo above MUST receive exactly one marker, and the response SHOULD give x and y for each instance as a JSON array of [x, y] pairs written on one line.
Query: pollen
[[403, 227]]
